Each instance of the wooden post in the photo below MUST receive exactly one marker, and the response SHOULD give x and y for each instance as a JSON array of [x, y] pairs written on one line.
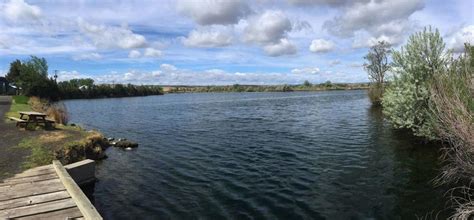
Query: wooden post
[[82, 202]]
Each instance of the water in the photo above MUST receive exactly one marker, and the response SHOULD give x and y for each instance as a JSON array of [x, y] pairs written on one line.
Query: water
[[301, 155]]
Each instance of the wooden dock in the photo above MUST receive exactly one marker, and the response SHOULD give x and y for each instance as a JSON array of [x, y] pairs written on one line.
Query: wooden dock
[[46, 192]]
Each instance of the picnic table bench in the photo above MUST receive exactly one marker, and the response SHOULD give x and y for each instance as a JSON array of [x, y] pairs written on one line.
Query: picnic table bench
[[32, 117]]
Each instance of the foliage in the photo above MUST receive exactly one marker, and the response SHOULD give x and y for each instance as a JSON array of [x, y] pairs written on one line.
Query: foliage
[[72, 90], [453, 107], [406, 101], [58, 112], [307, 84], [377, 66], [31, 76], [266, 88], [14, 72]]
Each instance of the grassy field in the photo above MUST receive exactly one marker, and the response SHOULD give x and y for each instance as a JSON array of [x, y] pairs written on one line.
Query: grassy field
[[19, 103]]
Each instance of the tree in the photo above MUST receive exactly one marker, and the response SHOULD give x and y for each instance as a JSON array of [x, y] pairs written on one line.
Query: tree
[[406, 101], [307, 84], [14, 72], [377, 65]]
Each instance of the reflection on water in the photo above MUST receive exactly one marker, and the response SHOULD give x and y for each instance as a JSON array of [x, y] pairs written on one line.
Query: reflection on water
[[259, 155]]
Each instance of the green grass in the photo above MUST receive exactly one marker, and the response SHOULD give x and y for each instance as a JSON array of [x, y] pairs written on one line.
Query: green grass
[[20, 99], [39, 156], [20, 103]]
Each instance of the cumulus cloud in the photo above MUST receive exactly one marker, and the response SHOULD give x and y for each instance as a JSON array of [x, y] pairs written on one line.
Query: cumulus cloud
[[16, 10], [151, 52], [321, 46], [464, 35], [307, 70], [207, 39], [283, 47], [134, 54], [88, 56], [369, 16], [209, 12], [111, 37], [270, 30], [271, 26]]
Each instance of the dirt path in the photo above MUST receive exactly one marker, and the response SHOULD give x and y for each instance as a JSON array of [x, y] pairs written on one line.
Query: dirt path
[[11, 157]]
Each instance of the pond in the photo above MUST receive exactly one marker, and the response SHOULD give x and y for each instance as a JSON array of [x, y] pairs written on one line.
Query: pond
[[300, 155]]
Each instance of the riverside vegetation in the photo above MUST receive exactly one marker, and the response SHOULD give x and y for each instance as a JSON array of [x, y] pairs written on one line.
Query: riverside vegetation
[[431, 95], [31, 78], [67, 143]]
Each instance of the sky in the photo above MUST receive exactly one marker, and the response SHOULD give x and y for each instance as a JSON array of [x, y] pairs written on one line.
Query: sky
[[219, 42]]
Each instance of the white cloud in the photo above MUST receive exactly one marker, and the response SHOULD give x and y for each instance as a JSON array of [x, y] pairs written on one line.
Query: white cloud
[[68, 75], [88, 56], [151, 52], [464, 35], [307, 70], [271, 26], [134, 54], [361, 42], [321, 46], [207, 39], [16, 10], [284, 47], [369, 16], [168, 67], [209, 12], [110, 37]]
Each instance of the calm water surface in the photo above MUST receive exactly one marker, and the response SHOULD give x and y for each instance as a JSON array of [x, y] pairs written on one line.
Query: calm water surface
[[302, 155]]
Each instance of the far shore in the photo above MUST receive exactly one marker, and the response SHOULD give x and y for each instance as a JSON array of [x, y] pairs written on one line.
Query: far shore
[[307, 87]]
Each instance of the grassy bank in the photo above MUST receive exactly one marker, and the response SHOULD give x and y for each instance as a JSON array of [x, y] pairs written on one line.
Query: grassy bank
[[66, 143], [19, 103]]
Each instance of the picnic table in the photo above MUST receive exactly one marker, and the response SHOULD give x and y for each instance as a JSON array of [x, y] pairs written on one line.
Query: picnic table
[[32, 117]]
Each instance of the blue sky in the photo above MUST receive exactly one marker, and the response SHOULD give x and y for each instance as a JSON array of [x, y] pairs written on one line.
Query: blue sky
[[216, 42]]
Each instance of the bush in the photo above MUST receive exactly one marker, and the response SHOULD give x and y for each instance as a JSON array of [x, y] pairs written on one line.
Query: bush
[[58, 112], [375, 94], [406, 101]]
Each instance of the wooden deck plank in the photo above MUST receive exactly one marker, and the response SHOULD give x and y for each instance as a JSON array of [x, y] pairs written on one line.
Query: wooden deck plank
[[21, 186], [32, 200], [29, 180], [34, 173], [83, 203], [49, 166], [46, 192], [73, 213], [13, 194], [38, 208]]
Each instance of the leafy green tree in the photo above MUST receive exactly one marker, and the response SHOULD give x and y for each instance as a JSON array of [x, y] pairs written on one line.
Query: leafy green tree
[[406, 102], [377, 65], [14, 72], [307, 84]]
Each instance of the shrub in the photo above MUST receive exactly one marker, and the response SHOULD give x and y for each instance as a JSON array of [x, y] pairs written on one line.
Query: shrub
[[376, 93], [59, 113], [406, 102]]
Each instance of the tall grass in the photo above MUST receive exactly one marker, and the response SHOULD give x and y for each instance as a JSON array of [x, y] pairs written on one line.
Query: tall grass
[[55, 111], [452, 106], [58, 112]]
